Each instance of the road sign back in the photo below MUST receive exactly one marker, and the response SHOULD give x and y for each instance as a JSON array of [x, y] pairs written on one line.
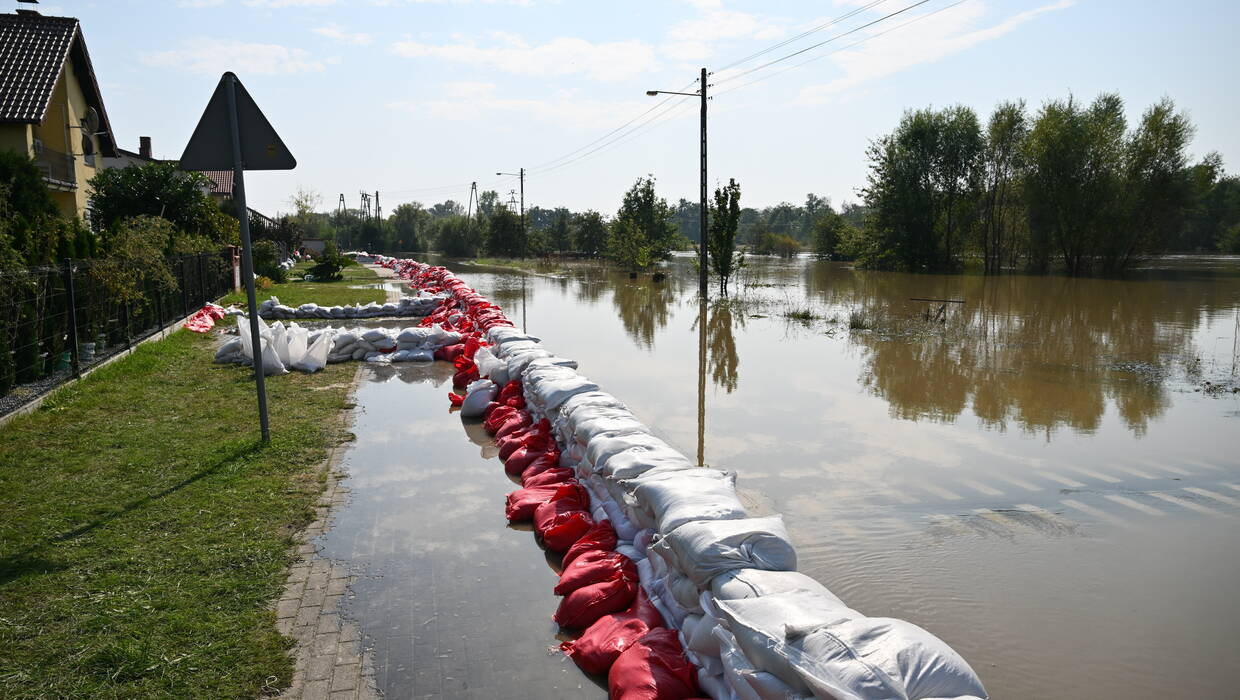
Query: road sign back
[[210, 147]]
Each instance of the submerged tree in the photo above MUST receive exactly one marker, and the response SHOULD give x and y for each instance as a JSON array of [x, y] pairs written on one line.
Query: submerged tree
[[590, 233], [721, 234], [643, 232]]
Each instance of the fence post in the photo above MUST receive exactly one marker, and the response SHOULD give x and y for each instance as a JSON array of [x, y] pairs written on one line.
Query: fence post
[[73, 329], [159, 307], [184, 288], [202, 282], [125, 313]]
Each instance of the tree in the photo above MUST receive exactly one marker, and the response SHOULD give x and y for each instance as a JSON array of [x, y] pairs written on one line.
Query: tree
[[408, 222], [1159, 189], [488, 202], [721, 235], [559, 237], [590, 234], [457, 236], [446, 208], [504, 235], [159, 189], [642, 233], [900, 191], [956, 174], [330, 263], [828, 231], [1002, 163]]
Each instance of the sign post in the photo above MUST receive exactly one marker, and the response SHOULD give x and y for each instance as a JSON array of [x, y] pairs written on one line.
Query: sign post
[[234, 135]]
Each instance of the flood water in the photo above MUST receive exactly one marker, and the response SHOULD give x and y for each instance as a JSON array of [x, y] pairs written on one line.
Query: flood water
[[1034, 475]]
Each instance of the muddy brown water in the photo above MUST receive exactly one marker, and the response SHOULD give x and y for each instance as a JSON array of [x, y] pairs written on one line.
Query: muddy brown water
[[1035, 475]]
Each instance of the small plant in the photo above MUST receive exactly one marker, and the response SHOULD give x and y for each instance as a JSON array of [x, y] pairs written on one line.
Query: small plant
[[859, 321], [801, 314], [263, 283], [330, 263]]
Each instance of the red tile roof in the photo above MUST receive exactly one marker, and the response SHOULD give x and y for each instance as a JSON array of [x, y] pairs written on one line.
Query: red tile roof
[[223, 180]]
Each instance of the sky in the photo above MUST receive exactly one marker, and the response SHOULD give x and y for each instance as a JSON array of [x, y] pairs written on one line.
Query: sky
[[416, 99]]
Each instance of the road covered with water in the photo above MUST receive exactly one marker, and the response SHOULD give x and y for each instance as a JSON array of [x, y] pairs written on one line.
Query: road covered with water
[[1041, 476]]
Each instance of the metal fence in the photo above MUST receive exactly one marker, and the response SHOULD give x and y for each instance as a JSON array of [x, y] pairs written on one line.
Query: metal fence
[[58, 321]]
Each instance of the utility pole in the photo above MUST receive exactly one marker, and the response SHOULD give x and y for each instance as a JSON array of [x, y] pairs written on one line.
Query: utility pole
[[702, 261], [341, 207], [378, 209], [520, 174], [473, 192]]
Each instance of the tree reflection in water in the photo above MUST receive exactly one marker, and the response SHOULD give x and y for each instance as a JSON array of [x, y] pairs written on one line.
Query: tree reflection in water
[[1038, 352], [643, 306], [724, 362]]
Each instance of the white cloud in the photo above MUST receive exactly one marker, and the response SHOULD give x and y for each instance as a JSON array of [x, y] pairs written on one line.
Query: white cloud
[[479, 100], [691, 39], [388, 3], [928, 40], [336, 32], [214, 56], [607, 61], [200, 3]]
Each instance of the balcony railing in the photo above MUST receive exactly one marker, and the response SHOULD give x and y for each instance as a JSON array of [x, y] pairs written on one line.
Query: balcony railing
[[56, 166]]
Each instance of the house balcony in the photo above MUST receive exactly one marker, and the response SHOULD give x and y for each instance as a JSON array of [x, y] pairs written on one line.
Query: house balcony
[[57, 168]]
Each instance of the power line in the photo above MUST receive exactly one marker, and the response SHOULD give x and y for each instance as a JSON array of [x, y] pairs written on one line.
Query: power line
[[842, 48], [811, 47], [802, 35], [654, 119]]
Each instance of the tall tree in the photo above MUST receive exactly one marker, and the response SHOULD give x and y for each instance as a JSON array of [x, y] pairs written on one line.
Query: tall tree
[[642, 233], [1002, 163], [590, 233], [504, 235], [725, 216], [559, 237], [409, 222]]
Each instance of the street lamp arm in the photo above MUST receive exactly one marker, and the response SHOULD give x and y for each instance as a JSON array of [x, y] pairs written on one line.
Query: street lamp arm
[[652, 93]]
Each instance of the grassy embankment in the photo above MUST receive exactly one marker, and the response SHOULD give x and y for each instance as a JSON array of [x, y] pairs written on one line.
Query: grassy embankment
[[296, 293], [145, 531]]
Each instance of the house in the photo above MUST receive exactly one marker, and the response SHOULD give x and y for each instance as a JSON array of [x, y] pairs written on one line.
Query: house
[[50, 104], [124, 158], [221, 184]]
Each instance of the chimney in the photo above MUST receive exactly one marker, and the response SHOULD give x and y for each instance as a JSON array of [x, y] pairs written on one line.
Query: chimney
[[144, 147]]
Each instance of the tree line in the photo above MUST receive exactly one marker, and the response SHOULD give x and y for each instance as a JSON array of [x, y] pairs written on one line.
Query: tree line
[[1070, 187]]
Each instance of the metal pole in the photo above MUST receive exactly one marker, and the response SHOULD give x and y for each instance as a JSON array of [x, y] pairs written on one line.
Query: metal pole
[[247, 260], [73, 329], [524, 236], [702, 262]]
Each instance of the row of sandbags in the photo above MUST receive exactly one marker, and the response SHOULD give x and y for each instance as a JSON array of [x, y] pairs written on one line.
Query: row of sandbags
[[752, 625], [419, 305], [295, 347]]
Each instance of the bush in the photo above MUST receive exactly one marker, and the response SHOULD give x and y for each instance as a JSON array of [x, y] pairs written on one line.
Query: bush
[[267, 261], [330, 263], [1229, 241], [262, 283]]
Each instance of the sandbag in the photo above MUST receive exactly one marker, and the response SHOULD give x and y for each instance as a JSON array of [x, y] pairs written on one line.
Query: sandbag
[[497, 416], [315, 356], [544, 462], [477, 396], [601, 448], [584, 606], [520, 459], [743, 679], [677, 497], [521, 504], [703, 549], [604, 640], [758, 625], [872, 657], [546, 477], [515, 422], [593, 567], [600, 537], [653, 668], [751, 583], [561, 531]]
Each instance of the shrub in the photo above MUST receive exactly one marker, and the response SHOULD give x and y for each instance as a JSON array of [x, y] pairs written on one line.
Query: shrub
[[262, 283], [267, 261], [330, 263]]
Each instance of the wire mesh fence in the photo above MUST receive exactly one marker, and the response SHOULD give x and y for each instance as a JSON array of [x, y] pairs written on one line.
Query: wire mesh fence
[[58, 321]]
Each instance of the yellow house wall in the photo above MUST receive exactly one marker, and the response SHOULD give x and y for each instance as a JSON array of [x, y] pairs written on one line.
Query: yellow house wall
[[15, 137], [58, 132]]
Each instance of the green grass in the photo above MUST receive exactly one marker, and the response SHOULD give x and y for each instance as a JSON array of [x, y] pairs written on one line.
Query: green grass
[[145, 531], [296, 293]]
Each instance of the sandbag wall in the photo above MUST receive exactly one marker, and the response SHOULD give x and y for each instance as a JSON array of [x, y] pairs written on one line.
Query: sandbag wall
[[662, 565], [419, 305]]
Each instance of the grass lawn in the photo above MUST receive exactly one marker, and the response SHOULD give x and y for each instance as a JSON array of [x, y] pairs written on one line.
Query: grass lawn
[[323, 293], [145, 531]]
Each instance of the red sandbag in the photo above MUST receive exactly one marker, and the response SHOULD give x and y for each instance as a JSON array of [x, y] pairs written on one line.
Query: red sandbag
[[564, 529], [583, 606], [593, 567], [449, 352], [568, 496], [597, 648], [514, 423], [471, 347], [522, 503], [521, 458], [455, 399], [601, 536], [532, 437], [546, 477], [548, 460], [497, 417], [510, 390], [653, 668]]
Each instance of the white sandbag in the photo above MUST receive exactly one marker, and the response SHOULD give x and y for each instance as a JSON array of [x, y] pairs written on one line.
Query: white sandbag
[[701, 639], [486, 362], [703, 549], [630, 551], [499, 335], [360, 353], [385, 344], [684, 591], [230, 351], [751, 583], [876, 657], [553, 391], [603, 447], [279, 342], [676, 497], [518, 362], [745, 680], [410, 338], [374, 335], [478, 395], [297, 341], [271, 361], [420, 355], [714, 686], [640, 460], [598, 423], [759, 626], [315, 356]]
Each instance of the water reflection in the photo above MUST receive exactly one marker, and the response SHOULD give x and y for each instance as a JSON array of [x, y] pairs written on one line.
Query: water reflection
[[643, 306], [1037, 352], [720, 317]]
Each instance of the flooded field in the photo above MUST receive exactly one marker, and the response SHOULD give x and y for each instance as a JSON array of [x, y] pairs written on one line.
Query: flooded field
[[1040, 475]]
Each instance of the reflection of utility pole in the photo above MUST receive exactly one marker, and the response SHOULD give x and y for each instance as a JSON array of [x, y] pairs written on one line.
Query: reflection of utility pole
[[701, 381], [523, 326]]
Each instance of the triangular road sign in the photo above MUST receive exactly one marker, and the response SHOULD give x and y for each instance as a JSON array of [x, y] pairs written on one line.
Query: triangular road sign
[[210, 147]]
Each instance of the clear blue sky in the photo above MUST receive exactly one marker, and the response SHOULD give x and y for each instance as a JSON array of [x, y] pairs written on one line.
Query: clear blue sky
[[403, 95]]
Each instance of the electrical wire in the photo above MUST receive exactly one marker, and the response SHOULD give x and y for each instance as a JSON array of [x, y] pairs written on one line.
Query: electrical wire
[[802, 35], [674, 104]]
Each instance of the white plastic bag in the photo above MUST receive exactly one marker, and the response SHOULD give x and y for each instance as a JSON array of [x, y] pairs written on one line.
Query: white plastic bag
[[315, 356], [271, 361], [296, 338]]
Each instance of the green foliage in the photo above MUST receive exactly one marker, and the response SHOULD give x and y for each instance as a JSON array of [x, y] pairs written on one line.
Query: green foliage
[[408, 223], [642, 233], [135, 260], [330, 264], [1229, 241], [590, 233], [828, 232], [771, 243], [559, 237], [457, 236], [266, 257], [504, 235], [721, 234], [161, 190], [33, 229]]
